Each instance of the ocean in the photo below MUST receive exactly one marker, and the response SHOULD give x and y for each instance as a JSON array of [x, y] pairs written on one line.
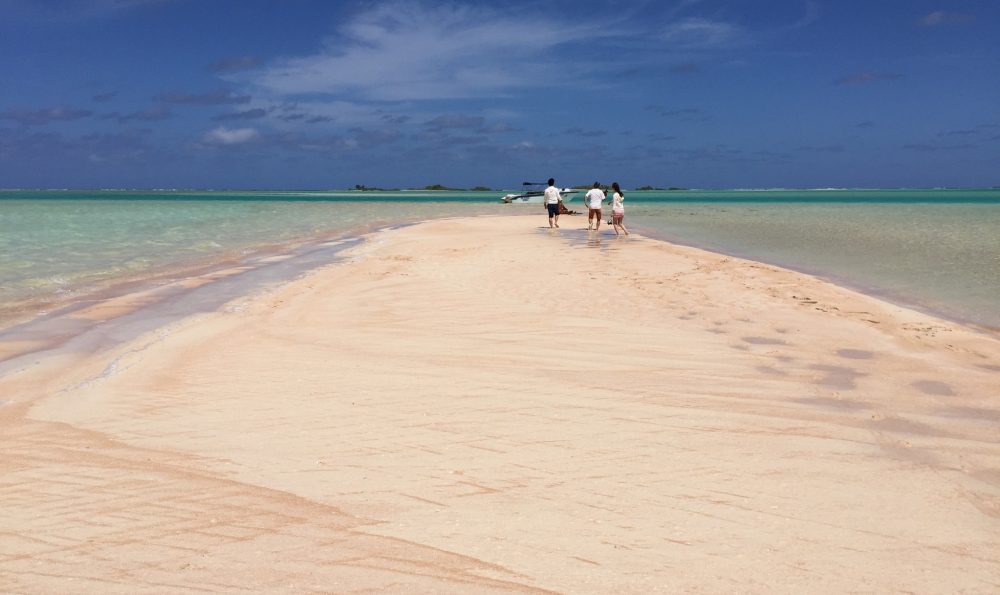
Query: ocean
[[935, 250]]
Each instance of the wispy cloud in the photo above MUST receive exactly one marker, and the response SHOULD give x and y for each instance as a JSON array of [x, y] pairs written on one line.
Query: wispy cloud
[[217, 97], [454, 122], [577, 131], [866, 77], [964, 132], [125, 147], [105, 97], [700, 33], [347, 114], [822, 148], [812, 14], [686, 68], [154, 114], [234, 64], [407, 51], [363, 138], [67, 11], [714, 153], [660, 137], [942, 17], [97, 147], [230, 136], [933, 147], [685, 112], [45, 115], [250, 114]]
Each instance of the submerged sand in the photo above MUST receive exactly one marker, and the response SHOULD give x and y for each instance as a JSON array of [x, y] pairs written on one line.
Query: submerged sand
[[484, 405]]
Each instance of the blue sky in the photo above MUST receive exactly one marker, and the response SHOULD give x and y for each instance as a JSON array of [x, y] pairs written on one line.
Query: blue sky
[[328, 94]]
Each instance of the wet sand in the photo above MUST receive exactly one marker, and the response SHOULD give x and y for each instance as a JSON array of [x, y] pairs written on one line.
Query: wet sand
[[485, 405]]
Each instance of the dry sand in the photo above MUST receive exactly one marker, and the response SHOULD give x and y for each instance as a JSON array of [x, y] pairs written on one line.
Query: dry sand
[[482, 405]]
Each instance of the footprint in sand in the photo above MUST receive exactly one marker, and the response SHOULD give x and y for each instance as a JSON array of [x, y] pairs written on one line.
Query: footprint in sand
[[855, 354], [838, 376], [763, 341], [933, 387], [718, 327], [771, 371]]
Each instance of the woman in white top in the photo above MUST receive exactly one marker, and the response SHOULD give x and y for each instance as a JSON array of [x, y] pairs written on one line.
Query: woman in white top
[[618, 209]]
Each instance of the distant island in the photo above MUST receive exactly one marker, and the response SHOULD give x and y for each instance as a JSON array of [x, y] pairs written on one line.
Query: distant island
[[363, 188], [431, 188], [606, 188], [437, 187]]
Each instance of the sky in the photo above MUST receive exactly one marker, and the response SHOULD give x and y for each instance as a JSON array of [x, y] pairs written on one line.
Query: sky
[[317, 94]]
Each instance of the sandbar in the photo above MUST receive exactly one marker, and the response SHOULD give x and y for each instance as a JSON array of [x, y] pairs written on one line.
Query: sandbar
[[487, 405]]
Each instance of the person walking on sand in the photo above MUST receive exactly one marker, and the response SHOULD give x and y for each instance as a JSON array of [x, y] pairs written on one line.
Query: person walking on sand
[[618, 209], [552, 201], [595, 198]]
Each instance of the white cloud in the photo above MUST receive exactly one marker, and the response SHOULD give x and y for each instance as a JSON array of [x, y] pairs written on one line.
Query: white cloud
[[407, 51], [940, 17], [229, 136]]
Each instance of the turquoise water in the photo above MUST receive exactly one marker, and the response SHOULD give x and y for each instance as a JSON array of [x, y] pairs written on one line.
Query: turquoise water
[[934, 249], [59, 246], [939, 256]]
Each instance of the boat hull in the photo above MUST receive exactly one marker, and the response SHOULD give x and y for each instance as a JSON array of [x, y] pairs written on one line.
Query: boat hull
[[535, 197]]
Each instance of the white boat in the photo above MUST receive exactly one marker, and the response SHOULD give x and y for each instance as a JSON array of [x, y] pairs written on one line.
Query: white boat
[[535, 197]]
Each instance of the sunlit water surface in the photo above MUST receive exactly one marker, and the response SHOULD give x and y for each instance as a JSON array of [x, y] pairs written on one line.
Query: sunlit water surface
[[933, 249]]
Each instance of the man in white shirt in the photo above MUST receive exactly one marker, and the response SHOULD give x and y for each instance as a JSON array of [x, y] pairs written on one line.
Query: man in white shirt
[[594, 200], [552, 200]]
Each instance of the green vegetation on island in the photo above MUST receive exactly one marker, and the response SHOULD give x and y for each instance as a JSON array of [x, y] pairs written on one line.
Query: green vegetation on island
[[363, 188], [431, 188]]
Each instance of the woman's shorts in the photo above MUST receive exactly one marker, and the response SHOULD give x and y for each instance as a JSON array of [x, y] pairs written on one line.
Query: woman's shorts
[[553, 209], [617, 216]]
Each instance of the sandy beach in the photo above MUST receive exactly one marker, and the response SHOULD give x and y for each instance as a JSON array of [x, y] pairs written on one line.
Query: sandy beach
[[486, 405]]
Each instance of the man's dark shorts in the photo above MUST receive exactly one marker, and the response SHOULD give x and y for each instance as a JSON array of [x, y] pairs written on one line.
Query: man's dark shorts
[[553, 209]]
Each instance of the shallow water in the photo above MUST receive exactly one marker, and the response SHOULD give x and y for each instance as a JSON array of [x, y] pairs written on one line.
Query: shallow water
[[934, 249], [940, 257], [56, 246]]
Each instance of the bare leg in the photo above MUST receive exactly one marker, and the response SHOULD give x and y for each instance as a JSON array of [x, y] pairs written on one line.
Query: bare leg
[[557, 220]]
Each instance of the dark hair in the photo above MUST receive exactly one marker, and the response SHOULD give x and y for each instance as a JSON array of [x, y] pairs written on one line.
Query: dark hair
[[597, 184], [552, 182], [616, 188]]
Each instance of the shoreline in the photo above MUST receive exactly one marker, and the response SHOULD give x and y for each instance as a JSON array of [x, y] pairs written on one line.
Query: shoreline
[[640, 415], [163, 278], [925, 288], [893, 297], [29, 310], [174, 279]]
